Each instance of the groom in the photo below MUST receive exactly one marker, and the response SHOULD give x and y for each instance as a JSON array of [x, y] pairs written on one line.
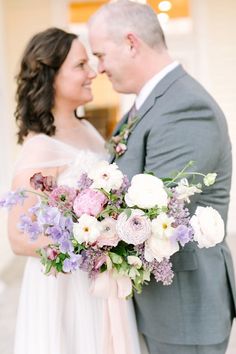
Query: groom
[[178, 121]]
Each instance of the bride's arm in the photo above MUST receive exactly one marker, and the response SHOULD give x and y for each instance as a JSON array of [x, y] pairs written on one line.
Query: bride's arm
[[20, 243]]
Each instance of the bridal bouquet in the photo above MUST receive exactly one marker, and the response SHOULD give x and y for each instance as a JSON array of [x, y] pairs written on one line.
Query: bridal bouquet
[[108, 224]]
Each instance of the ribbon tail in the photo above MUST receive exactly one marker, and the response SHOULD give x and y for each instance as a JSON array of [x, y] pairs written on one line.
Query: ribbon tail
[[116, 333]]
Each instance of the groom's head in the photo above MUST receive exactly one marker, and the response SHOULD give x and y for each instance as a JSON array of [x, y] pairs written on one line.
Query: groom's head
[[129, 43]]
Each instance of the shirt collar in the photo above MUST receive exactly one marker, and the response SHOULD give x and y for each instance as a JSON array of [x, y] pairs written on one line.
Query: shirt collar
[[149, 86]]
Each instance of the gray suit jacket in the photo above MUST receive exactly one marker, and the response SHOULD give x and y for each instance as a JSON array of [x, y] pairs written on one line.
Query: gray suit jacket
[[179, 122]]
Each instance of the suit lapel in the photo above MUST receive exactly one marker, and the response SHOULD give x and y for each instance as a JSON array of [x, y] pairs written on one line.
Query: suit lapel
[[158, 91]]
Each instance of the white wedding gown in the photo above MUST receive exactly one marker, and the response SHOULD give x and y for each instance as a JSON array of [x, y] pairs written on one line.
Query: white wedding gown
[[59, 315]]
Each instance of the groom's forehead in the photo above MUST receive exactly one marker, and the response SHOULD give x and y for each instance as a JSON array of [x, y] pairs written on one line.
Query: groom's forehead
[[100, 42]]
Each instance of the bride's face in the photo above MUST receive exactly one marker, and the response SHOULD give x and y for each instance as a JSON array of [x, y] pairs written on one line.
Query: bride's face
[[73, 81]]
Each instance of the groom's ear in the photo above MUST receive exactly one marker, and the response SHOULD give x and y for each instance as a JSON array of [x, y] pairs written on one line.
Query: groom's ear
[[133, 42]]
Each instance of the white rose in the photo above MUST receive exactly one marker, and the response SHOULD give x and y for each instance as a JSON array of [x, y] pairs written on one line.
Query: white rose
[[87, 229], [184, 191], [134, 261], [146, 191], [208, 227], [106, 176]]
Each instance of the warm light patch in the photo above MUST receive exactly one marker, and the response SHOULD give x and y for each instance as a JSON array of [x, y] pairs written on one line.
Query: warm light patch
[[175, 8], [80, 12], [164, 5]]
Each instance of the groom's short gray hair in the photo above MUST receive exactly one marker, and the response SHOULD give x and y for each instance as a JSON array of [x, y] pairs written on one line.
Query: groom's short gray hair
[[121, 16]]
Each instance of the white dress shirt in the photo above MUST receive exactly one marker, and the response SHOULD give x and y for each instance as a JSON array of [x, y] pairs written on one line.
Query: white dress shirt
[[149, 86]]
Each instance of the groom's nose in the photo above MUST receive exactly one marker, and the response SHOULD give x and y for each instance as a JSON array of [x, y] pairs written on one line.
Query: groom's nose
[[101, 67]]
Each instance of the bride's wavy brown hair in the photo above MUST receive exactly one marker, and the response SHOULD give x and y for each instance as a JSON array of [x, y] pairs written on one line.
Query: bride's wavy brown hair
[[41, 60]]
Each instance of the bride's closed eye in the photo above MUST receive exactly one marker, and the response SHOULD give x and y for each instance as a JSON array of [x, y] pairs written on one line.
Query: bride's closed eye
[[82, 65]]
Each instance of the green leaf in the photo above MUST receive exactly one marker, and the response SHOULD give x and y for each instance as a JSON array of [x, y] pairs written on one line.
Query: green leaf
[[103, 268], [128, 212], [116, 259], [59, 267], [149, 173], [48, 267], [122, 248]]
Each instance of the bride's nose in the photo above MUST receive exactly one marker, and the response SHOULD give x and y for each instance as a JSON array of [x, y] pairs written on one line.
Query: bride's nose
[[92, 74]]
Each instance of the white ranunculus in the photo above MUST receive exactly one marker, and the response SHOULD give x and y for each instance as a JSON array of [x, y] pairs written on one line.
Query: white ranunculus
[[134, 261], [184, 190], [134, 229], [106, 176], [146, 191], [87, 229], [208, 227]]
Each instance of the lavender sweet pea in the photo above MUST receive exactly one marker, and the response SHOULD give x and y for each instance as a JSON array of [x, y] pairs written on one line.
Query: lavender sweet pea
[[13, 198]]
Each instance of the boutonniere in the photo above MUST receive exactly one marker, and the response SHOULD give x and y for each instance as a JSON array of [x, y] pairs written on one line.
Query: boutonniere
[[117, 145]]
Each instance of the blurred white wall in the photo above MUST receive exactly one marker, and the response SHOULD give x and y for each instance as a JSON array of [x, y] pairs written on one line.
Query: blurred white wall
[[205, 44], [5, 151], [215, 62], [19, 20]]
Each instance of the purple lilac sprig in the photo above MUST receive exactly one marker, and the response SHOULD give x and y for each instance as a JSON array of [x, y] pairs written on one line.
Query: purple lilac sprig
[[117, 199], [183, 232], [162, 271], [177, 209], [84, 182], [92, 260]]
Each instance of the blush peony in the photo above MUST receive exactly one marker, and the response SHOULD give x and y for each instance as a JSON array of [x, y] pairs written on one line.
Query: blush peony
[[89, 202]]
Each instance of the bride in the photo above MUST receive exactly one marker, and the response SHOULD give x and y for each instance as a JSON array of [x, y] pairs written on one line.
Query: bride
[[58, 315]]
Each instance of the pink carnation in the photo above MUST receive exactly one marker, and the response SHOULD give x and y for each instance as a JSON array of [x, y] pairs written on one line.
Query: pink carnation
[[62, 197], [89, 202]]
